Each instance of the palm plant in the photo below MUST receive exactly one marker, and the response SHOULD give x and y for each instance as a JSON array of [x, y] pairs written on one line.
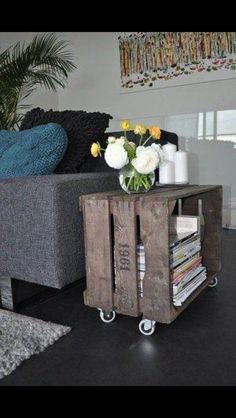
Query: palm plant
[[45, 61]]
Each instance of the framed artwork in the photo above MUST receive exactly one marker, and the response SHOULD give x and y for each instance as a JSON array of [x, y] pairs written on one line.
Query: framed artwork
[[165, 59]]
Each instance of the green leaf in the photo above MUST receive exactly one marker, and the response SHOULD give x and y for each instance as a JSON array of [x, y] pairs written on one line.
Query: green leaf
[[46, 61]]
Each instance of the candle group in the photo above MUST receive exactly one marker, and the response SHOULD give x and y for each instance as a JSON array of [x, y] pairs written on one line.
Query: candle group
[[174, 166]]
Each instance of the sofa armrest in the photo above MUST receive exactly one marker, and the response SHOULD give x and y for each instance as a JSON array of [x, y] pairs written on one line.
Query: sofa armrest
[[50, 182], [19, 195], [41, 227]]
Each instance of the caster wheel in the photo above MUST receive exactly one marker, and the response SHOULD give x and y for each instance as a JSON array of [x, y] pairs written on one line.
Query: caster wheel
[[213, 283], [147, 327], [107, 316]]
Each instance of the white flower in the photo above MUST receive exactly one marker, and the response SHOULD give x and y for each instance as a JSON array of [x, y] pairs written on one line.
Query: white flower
[[111, 139], [114, 140], [120, 141], [160, 151], [147, 160], [116, 156], [140, 149]]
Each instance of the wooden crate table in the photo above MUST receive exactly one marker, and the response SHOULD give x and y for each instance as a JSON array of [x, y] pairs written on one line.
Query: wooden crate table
[[112, 222]]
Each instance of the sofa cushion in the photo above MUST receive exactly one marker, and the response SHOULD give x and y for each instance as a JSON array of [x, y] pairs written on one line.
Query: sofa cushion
[[33, 151], [82, 129]]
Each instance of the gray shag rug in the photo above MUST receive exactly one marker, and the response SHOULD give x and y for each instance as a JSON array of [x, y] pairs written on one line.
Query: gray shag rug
[[22, 336]]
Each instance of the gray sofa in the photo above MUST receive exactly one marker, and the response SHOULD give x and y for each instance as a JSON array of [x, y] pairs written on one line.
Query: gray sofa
[[41, 228]]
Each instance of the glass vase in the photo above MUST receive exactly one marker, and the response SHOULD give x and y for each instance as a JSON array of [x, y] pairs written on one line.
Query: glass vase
[[133, 182]]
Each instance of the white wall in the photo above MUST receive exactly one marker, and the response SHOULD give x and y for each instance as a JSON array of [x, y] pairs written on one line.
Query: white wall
[[41, 97], [96, 87]]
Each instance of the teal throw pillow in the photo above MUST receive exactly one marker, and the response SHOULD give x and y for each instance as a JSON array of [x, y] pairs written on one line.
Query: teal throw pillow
[[33, 151]]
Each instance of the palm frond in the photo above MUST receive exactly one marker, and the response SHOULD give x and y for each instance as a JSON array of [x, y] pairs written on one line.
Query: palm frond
[[46, 61]]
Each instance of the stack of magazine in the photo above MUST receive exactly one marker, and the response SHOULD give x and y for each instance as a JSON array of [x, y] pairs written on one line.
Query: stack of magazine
[[186, 269]]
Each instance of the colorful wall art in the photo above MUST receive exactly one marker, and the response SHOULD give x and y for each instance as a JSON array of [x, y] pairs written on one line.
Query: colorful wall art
[[146, 59]]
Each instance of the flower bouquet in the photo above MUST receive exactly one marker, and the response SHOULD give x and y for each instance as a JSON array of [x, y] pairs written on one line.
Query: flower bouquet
[[136, 161]]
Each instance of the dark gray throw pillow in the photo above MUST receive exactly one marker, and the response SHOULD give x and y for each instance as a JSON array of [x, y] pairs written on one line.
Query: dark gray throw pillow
[[82, 129]]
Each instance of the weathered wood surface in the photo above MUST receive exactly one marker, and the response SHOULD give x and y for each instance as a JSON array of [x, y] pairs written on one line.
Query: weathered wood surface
[[125, 239], [190, 205], [153, 209], [6, 293], [193, 206], [171, 204], [98, 254], [171, 193], [137, 196], [212, 242], [184, 192], [154, 226], [99, 196], [211, 225]]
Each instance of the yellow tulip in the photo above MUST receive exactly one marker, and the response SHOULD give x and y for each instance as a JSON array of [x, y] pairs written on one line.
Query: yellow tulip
[[140, 129], [95, 149], [155, 132], [125, 125]]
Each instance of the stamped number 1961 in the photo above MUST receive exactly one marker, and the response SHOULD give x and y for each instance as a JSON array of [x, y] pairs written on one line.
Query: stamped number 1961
[[124, 262]]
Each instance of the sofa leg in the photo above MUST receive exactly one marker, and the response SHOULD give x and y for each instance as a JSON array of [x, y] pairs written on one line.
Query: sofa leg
[[6, 293]]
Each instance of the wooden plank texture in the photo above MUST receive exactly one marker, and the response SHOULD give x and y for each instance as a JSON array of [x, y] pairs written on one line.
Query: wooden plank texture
[[192, 205], [155, 192], [181, 192], [159, 192], [98, 254], [98, 196], [172, 204], [125, 239], [211, 234], [154, 226], [212, 242]]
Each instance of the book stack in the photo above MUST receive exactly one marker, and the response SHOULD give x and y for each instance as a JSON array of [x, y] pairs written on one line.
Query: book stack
[[186, 269]]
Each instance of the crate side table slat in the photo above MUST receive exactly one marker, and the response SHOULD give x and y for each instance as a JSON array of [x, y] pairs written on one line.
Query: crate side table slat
[[212, 217], [98, 249], [212, 212], [154, 228], [125, 240]]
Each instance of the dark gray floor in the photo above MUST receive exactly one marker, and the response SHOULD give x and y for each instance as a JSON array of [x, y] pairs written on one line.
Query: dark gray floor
[[198, 348]]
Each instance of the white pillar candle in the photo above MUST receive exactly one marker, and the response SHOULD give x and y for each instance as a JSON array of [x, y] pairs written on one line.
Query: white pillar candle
[[167, 172], [169, 151], [181, 167]]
